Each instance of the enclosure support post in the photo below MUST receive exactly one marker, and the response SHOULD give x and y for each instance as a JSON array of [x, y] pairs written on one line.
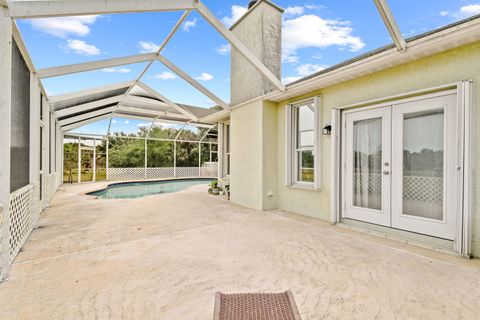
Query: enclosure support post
[[145, 163], [106, 160], [94, 176], [199, 159], [175, 159], [5, 118], [79, 162]]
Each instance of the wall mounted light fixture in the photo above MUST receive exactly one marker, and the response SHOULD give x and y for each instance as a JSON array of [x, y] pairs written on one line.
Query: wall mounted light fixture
[[327, 130]]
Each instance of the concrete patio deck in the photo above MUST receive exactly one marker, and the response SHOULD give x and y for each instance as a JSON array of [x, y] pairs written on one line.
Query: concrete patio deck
[[165, 256]]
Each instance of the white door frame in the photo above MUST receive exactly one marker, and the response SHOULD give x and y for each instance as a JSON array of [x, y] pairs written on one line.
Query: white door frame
[[464, 96], [445, 228], [382, 216]]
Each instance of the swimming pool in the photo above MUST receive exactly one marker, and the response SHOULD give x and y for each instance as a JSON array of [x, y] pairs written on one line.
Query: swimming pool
[[132, 190]]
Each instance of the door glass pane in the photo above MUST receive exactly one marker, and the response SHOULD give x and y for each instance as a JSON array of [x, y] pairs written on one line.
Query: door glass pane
[[423, 146], [305, 166], [367, 163]]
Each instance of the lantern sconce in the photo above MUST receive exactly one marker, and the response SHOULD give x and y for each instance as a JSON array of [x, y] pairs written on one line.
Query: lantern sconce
[[327, 130]]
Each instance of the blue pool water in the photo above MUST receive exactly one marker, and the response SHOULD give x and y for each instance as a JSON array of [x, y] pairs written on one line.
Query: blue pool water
[[141, 189]]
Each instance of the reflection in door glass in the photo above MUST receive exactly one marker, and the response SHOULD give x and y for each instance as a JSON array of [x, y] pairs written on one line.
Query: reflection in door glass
[[423, 151], [367, 163]]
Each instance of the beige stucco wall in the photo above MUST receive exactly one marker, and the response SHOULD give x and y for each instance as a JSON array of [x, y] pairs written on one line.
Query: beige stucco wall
[[253, 155], [261, 31], [246, 155], [452, 66]]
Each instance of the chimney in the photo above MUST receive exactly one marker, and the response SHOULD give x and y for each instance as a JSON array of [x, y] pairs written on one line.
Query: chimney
[[260, 29]]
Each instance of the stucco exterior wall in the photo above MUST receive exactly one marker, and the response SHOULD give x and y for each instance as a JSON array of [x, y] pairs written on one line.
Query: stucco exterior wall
[[253, 155], [261, 31], [448, 67], [269, 153], [246, 155]]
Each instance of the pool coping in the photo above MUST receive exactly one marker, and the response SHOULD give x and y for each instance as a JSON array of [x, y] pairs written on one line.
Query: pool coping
[[107, 184]]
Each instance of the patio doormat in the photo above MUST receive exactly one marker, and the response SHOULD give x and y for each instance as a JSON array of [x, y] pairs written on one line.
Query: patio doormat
[[255, 306]]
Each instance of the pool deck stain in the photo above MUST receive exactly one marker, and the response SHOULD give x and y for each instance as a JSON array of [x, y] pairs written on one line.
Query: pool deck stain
[[164, 257]]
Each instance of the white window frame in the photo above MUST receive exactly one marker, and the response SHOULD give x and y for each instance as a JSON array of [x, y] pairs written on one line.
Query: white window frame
[[291, 163]]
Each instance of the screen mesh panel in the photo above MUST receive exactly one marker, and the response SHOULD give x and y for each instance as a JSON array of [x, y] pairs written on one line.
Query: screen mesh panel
[[20, 130]]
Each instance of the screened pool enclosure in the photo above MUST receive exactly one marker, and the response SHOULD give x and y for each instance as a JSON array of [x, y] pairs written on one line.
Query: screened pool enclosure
[[155, 151], [46, 139]]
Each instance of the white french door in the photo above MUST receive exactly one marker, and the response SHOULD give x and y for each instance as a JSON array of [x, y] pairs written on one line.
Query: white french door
[[368, 144], [401, 166]]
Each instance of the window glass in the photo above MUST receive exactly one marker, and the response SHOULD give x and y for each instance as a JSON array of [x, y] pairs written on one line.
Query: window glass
[[306, 166], [304, 155], [306, 118]]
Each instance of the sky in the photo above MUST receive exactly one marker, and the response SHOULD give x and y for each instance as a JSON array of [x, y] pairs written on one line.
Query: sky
[[316, 34]]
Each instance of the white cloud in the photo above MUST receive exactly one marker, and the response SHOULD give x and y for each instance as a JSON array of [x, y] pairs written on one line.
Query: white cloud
[[148, 47], [224, 49], [189, 24], [62, 27], [205, 77], [309, 68], [287, 80], [294, 11], [81, 47], [236, 13], [114, 121], [314, 6], [165, 75], [311, 31], [144, 125], [303, 71], [126, 122], [463, 12], [116, 70], [470, 10]]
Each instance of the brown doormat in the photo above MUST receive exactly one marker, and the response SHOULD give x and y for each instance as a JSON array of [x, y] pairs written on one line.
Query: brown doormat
[[255, 306]]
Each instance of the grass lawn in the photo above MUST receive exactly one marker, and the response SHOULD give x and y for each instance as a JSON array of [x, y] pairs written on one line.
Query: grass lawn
[[87, 175]]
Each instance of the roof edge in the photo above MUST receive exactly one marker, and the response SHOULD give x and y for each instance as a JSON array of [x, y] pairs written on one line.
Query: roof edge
[[458, 34], [384, 48]]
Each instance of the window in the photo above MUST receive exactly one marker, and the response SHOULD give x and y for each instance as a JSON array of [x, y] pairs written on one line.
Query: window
[[303, 144]]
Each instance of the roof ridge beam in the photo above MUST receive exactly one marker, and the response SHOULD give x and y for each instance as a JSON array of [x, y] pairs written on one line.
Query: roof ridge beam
[[193, 82], [82, 93], [57, 8], [93, 65], [85, 122], [87, 106], [169, 102], [237, 44], [86, 115], [160, 48], [173, 31], [391, 24]]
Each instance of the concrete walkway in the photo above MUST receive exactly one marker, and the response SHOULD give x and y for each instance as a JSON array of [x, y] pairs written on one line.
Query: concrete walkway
[[165, 256]]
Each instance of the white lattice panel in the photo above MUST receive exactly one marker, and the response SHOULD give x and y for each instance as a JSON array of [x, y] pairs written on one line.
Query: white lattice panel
[[126, 174], [426, 189], [133, 174], [187, 172], [21, 218], [160, 173]]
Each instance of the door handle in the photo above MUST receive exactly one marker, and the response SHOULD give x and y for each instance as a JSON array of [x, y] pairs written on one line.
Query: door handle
[[386, 172]]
